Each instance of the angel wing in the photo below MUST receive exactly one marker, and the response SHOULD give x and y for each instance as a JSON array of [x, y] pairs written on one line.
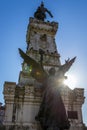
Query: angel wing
[[37, 71], [64, 68]]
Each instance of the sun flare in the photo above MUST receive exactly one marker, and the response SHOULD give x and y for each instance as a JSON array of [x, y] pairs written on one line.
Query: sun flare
[[71, 81]]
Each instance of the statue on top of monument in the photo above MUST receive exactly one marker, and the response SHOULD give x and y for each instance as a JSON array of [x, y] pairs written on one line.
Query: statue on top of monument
[[52, 113], [40, 13]]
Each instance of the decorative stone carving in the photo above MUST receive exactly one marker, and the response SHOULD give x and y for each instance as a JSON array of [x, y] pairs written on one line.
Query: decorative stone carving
[[9, 88]]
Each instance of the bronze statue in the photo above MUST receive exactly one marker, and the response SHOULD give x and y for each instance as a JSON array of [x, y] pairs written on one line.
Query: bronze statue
[[40, 14], [52, 113]]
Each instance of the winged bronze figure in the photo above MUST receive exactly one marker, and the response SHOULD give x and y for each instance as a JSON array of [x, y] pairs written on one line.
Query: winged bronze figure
[[52, 113], [38, 71]]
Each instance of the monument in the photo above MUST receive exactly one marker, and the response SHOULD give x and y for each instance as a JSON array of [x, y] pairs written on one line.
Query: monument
[[40, 100]]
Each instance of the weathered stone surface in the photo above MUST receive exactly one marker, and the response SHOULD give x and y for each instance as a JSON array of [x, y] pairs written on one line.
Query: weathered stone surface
[[23, 99]]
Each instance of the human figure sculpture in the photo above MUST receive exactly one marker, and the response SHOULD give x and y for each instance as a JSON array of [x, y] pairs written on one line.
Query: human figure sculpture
[[52, 113], [40, 13]]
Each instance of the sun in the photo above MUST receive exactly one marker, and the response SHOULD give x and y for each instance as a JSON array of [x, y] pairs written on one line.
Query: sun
[[71, 81]]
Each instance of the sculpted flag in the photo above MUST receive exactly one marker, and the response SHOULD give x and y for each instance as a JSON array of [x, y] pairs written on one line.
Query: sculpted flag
[[37, 71]]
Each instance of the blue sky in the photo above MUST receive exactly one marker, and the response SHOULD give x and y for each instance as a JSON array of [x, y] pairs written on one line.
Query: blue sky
[[71, 37]]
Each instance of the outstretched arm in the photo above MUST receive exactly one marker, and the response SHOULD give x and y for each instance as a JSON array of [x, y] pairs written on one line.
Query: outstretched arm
[[49, 13], [64, 68]]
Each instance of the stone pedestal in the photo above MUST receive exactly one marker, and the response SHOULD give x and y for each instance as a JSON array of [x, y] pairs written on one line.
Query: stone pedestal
[[22, 105]]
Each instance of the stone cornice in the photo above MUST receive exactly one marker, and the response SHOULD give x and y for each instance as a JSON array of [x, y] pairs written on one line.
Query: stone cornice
[[41, 25], [9, 83]]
